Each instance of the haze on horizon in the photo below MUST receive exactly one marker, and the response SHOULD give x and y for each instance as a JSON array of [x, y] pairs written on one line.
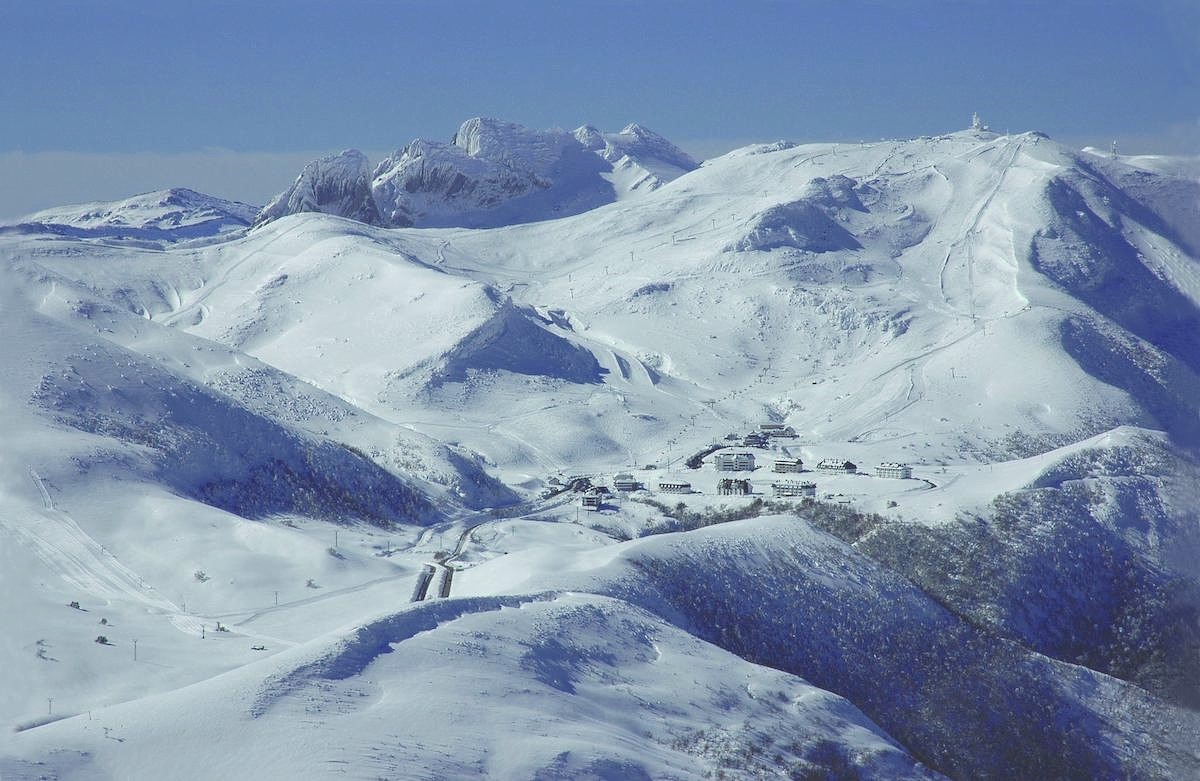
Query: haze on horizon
[[232, 99]]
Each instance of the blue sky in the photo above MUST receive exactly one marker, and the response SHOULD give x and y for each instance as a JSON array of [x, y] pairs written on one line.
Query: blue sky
[[205, 94]]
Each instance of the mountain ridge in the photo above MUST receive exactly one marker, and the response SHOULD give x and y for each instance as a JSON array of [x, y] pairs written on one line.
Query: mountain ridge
[[172, 215], [491, 173], [362, 451]]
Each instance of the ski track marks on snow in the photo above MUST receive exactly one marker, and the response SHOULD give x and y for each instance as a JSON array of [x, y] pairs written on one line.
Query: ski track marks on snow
[[69, 551], [961, 247]]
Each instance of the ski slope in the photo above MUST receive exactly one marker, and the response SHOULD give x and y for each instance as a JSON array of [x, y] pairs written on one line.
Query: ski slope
[[313, 472]]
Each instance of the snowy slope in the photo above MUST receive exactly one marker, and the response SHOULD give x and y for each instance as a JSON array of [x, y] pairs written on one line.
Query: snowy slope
[[777, 592], [554, 686], [155, 478], [903, 321], [172, 215], [1009, 316], [927, 297]]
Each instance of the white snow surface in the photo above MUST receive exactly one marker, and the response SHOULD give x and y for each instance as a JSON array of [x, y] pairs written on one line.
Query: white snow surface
[[173, 215], [188, 425]]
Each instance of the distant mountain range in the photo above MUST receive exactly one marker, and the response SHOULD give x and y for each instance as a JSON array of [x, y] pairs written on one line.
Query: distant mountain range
[[172, 215], [352, 428], [491, 173]]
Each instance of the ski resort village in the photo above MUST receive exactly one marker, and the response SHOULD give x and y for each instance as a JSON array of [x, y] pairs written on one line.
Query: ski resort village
[[548, 454], [769, 461]]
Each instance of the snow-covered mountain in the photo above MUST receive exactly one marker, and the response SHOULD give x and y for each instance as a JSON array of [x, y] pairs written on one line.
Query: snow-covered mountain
[[350, 446], [491, 173], [339, 184], [170, 215]]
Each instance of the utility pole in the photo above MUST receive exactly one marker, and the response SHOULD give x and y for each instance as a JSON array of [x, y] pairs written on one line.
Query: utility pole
[[135, 649], [49, 705], [277, 599], [335, 539]]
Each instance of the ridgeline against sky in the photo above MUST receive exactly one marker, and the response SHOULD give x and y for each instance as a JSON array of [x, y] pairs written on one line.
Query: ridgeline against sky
[[129, 96]]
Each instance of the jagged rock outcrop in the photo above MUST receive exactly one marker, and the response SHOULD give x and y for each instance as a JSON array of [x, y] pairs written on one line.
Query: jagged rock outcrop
[[491, 173], [487, 164], [339, 184]]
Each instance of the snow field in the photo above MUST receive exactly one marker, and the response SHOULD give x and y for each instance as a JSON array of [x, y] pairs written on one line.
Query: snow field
[[899, 301]]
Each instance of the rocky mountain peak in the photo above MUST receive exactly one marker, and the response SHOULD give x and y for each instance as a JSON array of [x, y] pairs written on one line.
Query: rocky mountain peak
[[338, 184], [492, 172]]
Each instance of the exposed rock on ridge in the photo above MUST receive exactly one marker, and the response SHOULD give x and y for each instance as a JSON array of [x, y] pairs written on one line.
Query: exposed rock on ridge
[[491, 173], [339, 184]]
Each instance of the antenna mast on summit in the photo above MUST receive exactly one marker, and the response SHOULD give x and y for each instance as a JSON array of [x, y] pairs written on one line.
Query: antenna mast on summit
[[1113, 148]]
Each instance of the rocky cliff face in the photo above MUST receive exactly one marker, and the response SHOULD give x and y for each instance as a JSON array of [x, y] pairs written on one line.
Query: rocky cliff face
[[491, 173], [339, 184]]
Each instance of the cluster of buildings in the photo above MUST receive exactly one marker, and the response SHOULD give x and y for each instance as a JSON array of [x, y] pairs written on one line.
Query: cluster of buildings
[[762, 436], [730, 459]]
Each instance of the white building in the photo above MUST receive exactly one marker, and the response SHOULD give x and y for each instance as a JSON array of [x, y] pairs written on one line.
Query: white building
[[670, 486], [734, 462], [784, 465], [626, 482], [794, 488], [837, 466], [893, 469]]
